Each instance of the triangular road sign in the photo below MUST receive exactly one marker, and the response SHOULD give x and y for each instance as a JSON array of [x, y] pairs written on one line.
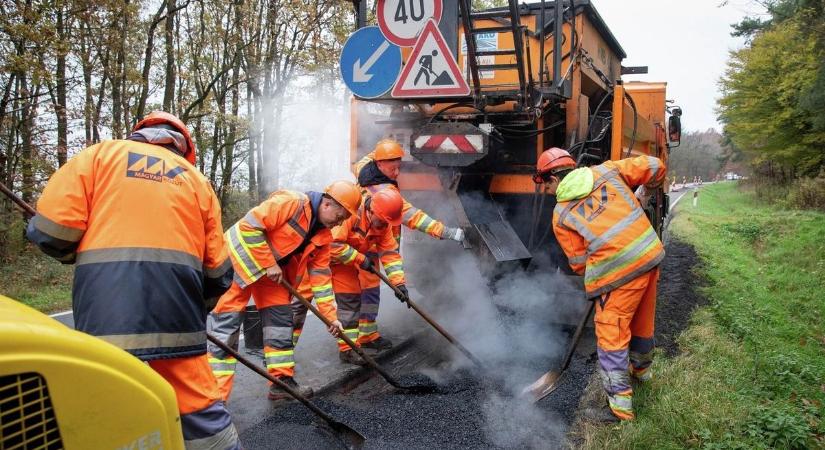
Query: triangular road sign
[[431, 70]]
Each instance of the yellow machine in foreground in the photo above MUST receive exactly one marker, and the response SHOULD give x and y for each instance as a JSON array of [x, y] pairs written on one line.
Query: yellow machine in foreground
[[61, 388]]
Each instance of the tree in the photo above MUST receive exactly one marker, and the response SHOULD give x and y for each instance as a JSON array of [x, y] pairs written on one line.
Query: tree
[[700, 153], [764, 90], [76, 72]]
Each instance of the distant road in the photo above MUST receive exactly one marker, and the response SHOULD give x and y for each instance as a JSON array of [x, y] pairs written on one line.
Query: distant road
[[64, 317]]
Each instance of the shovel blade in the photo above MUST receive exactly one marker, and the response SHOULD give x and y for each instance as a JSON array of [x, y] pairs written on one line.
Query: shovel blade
[[352, 439], [542, 387]]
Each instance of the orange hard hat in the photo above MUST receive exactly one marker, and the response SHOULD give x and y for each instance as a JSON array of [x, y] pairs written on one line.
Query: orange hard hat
[[388, 205], [346, 194], [551, 160], [162, 117], [388, 149]]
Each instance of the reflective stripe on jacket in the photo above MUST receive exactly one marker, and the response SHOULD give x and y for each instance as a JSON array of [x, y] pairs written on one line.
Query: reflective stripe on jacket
[[600, 225], [144, 228], [413, 218], [271, 233], [354, 238]]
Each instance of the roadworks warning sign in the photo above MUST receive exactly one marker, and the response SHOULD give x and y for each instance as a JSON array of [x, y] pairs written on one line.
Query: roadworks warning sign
[[431, 70]]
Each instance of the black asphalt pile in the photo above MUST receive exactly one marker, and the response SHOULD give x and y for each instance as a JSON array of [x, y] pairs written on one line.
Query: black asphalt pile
[[468, 410], [678, 294], [464, 412], [417, 379]]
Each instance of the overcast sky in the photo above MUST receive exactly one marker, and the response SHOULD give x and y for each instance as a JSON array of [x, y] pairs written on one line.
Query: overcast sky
[[683, 42]]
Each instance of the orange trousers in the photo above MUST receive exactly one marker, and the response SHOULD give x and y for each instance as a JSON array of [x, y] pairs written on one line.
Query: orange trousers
[[204, 417], [370, 302], [273, 302], [624, 322], [357, 296]]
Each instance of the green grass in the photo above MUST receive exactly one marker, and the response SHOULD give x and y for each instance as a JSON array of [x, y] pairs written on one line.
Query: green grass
[[751, 374], [29, 276]]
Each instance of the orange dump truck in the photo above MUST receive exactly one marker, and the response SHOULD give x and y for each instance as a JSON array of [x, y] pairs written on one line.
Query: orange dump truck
[[472, 140]]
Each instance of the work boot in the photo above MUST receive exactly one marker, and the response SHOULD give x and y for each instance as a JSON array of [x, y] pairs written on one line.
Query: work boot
[[350, 357], [600, 416], [643, 377], [275, 393], [379, 344]]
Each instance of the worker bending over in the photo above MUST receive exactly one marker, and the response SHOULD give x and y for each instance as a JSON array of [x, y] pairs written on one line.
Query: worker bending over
[[282, 239], [143, 228], [367, 232], [376, 171], [606, 236]]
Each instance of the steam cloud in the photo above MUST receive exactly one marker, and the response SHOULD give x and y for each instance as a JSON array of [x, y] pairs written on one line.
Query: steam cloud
[[512, 324]]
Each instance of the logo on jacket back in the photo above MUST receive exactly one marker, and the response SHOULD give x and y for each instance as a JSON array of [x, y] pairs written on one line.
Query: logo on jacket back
[[153, 168], [589, 210]]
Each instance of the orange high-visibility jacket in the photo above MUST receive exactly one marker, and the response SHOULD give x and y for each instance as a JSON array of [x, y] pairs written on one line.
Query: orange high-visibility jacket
[[355, 238], [413, 218], [602, 228], [144, 228], [277, 232]]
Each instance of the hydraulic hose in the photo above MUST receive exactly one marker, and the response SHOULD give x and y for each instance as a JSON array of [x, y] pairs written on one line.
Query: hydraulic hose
[[454, 105], [635, 123]]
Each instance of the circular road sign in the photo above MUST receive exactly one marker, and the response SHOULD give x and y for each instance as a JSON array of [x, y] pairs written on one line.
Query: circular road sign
[[369, 63], [402, 20]]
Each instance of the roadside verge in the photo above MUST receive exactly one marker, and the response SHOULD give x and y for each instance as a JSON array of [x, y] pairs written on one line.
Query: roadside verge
[[751, 364]]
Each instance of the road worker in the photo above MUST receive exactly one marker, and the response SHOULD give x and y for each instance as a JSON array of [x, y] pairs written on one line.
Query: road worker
[[378, 170], [606, 236], [367, 232], [143, 228], [283, 238]]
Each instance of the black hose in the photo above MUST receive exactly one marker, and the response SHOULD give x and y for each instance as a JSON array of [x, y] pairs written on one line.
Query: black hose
[[534, 208], [635, 123], [454, 105], [587, 140], [531, 133], [546, 232]]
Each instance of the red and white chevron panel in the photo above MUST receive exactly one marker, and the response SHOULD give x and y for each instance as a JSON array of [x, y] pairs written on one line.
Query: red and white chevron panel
[[450, 143]]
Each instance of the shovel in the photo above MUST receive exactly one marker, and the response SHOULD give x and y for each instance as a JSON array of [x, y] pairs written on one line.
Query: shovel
[[548, 382], [27, 209], [413, 388], [430, 320], [351, 438]]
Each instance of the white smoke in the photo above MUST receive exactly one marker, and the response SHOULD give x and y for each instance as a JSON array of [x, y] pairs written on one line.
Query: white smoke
[[314, 147], [511, 324]]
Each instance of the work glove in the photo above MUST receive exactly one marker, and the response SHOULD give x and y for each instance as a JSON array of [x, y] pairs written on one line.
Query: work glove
[[643, 195], [367, 265], [456, 234], [402, 294]]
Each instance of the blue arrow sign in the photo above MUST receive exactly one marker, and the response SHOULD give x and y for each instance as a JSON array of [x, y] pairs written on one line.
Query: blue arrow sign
[[369, 63]]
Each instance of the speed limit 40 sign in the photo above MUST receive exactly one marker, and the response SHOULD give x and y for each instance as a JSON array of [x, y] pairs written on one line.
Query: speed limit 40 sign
[[402, 20]]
